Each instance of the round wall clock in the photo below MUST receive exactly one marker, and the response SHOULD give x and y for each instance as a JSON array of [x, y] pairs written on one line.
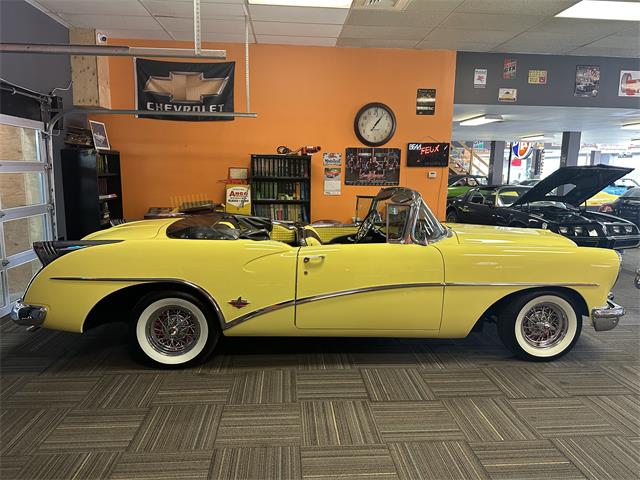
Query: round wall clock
[[375, 124]]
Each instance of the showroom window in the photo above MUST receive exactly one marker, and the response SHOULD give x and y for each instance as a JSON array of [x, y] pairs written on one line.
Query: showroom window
[[26, 204]]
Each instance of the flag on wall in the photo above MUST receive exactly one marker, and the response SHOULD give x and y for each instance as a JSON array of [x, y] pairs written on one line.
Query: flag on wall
[[184, 87]]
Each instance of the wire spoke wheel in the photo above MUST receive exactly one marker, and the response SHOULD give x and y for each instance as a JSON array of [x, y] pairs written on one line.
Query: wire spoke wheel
[[172, 330], [544, 325]]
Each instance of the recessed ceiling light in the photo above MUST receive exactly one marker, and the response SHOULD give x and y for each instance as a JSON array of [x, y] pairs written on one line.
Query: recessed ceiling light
[[533, 138], [304, 3], [631, 126], [481, 120], [603, 10]]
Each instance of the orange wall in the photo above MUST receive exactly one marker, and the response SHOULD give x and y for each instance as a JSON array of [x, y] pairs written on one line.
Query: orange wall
[[303, 96]]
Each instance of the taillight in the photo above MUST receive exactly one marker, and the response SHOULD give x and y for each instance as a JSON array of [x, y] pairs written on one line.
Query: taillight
[[47, 252], [606, 208]]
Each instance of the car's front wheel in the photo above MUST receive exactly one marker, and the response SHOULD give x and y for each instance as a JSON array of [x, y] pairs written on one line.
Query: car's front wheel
[[172, 328], [540, 326], [452, 216]]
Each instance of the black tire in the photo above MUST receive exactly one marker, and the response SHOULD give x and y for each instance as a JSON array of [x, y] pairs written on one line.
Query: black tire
[[452, 216], [167, 322], [556, 316]]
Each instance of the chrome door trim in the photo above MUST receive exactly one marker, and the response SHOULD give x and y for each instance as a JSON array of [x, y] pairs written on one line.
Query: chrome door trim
[[378, 288], [518, 284]]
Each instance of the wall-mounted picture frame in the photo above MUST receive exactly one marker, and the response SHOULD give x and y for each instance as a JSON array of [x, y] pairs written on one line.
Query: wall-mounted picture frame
[[587, 81], [99, 133], [372, 166]]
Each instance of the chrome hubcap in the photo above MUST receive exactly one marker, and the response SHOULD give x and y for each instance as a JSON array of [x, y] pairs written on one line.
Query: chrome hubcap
[[544, 325], [173, 330]]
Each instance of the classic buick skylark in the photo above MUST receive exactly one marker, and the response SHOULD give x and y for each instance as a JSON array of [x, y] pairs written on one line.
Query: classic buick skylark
[[181, 283]]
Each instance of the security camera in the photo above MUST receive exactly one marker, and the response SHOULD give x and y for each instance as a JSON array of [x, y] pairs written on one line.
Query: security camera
[[101, 37]]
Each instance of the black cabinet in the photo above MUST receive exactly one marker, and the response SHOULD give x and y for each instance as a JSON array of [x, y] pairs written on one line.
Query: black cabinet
[[92, 190]]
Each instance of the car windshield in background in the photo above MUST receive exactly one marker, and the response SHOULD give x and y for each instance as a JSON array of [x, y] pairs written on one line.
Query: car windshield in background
[[508, 196], [632, 193]]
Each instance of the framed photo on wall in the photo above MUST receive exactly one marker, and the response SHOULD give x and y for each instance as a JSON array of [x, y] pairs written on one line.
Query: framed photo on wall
[[99, 133], [587, 81], [629, 83], [372, 166]]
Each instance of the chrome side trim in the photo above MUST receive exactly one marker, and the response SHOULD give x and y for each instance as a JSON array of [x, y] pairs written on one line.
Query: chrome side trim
[[201, 290], [260, 311], [324, 296], [518, 284]]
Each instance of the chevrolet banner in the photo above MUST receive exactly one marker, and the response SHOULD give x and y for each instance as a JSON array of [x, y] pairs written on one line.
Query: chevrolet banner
[[184, 87]]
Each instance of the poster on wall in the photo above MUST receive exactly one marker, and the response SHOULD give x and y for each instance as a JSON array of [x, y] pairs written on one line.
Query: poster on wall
[[480, 78], [537, 77], [426, 101], [509, 95], [332, 172], [99, 133], [510, 69], [587, 81], [629, 83], [428, 155], [184, 87], [372, 166]]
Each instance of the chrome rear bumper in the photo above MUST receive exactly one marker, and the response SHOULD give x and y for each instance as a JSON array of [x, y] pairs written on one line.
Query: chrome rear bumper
[[28, 315], [637, 280], [607, 317]]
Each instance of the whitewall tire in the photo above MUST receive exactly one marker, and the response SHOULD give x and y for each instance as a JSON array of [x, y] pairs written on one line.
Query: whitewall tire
[[173, 329], [540, 325]]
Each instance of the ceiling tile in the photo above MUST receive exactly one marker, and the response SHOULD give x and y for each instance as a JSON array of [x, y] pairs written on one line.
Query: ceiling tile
[[395, 19], [618, 41], [494, 37], [240, 2], [394, 33], [515, 7], [135, 33], [446, 6], [453, 44], [212, 37], [570, 39], [219, 25], [271, 13], [119, 22], [542, 48], [567, 25], [95, 7], [296, 29], [607, 52], [286, 40], [171, 8], [375, 43], [507, 23]]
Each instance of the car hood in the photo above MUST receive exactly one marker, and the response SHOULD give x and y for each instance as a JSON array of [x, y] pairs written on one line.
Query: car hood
[[140, 230], [501, 236], [586, 182]]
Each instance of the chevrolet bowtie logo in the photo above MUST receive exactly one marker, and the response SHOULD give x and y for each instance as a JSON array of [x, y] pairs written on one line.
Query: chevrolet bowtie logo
[[185, 86]]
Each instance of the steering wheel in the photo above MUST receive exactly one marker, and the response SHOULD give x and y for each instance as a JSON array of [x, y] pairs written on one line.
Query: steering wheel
[[366, 226]]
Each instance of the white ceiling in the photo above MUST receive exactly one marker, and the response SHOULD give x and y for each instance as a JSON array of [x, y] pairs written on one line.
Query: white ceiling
[[515, 26], [598, 125]]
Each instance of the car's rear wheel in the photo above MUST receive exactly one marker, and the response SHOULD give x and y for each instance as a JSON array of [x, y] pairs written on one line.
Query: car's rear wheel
[[452, 216], [540, 326], [172, 328]]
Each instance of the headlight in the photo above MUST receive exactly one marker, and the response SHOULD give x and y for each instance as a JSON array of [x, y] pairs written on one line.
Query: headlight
[[616, 229], [544, 226], [628, 229], [563, 230], [578, 230]]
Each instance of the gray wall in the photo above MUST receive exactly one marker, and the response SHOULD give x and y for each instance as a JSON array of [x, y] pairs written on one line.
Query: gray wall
[[560, 82], [21, 22]]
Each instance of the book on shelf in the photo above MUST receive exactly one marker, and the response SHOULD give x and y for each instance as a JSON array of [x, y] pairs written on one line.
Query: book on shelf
[[281, 167], [273, 190], [284, 212]]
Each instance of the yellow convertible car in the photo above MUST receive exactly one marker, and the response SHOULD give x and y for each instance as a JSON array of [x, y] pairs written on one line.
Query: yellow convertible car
[[181, 283]]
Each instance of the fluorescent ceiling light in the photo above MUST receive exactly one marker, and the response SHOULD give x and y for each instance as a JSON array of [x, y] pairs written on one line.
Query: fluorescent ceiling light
[[603, 10], [481, 120], [631, 126], [304, 3], [533, 138]]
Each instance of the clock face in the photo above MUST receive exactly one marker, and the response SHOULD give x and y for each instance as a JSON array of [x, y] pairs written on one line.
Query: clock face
[[375, 124]]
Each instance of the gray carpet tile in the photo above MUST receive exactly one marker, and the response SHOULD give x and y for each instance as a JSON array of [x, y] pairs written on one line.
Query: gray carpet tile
[[193, 388], [122, 391], [393, 359], [564, 417], [264, 386], [523, 382], [524, 460], [415, 421], [178, 428], [163, 466], [23, 430], [64, 392], [93, 430], [489, 419], [465, 383], [338, 422], [10, 466], [370, 462], [386, 384], [11, 383], [24, 364], [436, 460], [438, 357], [586, 382], [253, 362], [602, 458], [627, 375], [253, 463], [620, 410], [324, 361], [330, 384], [259, 425], [65, 466]]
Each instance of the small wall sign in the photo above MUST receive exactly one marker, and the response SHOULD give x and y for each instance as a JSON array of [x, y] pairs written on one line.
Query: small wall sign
[[426, 101], [537, 77]]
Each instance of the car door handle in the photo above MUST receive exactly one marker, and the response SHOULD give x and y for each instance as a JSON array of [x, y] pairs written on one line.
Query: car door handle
[[313, 258]]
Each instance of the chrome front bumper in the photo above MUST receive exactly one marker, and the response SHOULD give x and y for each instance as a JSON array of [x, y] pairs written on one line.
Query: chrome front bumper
[[637, 280], [607, 317], [28, 315]]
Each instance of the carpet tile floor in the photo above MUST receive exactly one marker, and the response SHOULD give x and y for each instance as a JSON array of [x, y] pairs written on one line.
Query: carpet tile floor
[[80, 407]]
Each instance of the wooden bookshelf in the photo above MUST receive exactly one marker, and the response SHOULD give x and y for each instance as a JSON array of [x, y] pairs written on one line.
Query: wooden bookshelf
[[281, 187]]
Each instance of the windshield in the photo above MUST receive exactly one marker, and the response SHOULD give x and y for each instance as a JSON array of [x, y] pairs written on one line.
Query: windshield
[[632, 193], [508, 196], [427, 228]]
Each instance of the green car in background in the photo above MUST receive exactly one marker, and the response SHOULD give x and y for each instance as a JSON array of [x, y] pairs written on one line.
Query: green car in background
[[461, 184]]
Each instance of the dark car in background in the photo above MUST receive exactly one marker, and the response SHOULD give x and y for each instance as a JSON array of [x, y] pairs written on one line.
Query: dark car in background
[[627, 206], [553, 204]]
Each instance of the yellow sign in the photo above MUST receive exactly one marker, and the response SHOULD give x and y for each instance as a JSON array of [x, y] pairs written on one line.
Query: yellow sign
[[238, 199], [537, 77]]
